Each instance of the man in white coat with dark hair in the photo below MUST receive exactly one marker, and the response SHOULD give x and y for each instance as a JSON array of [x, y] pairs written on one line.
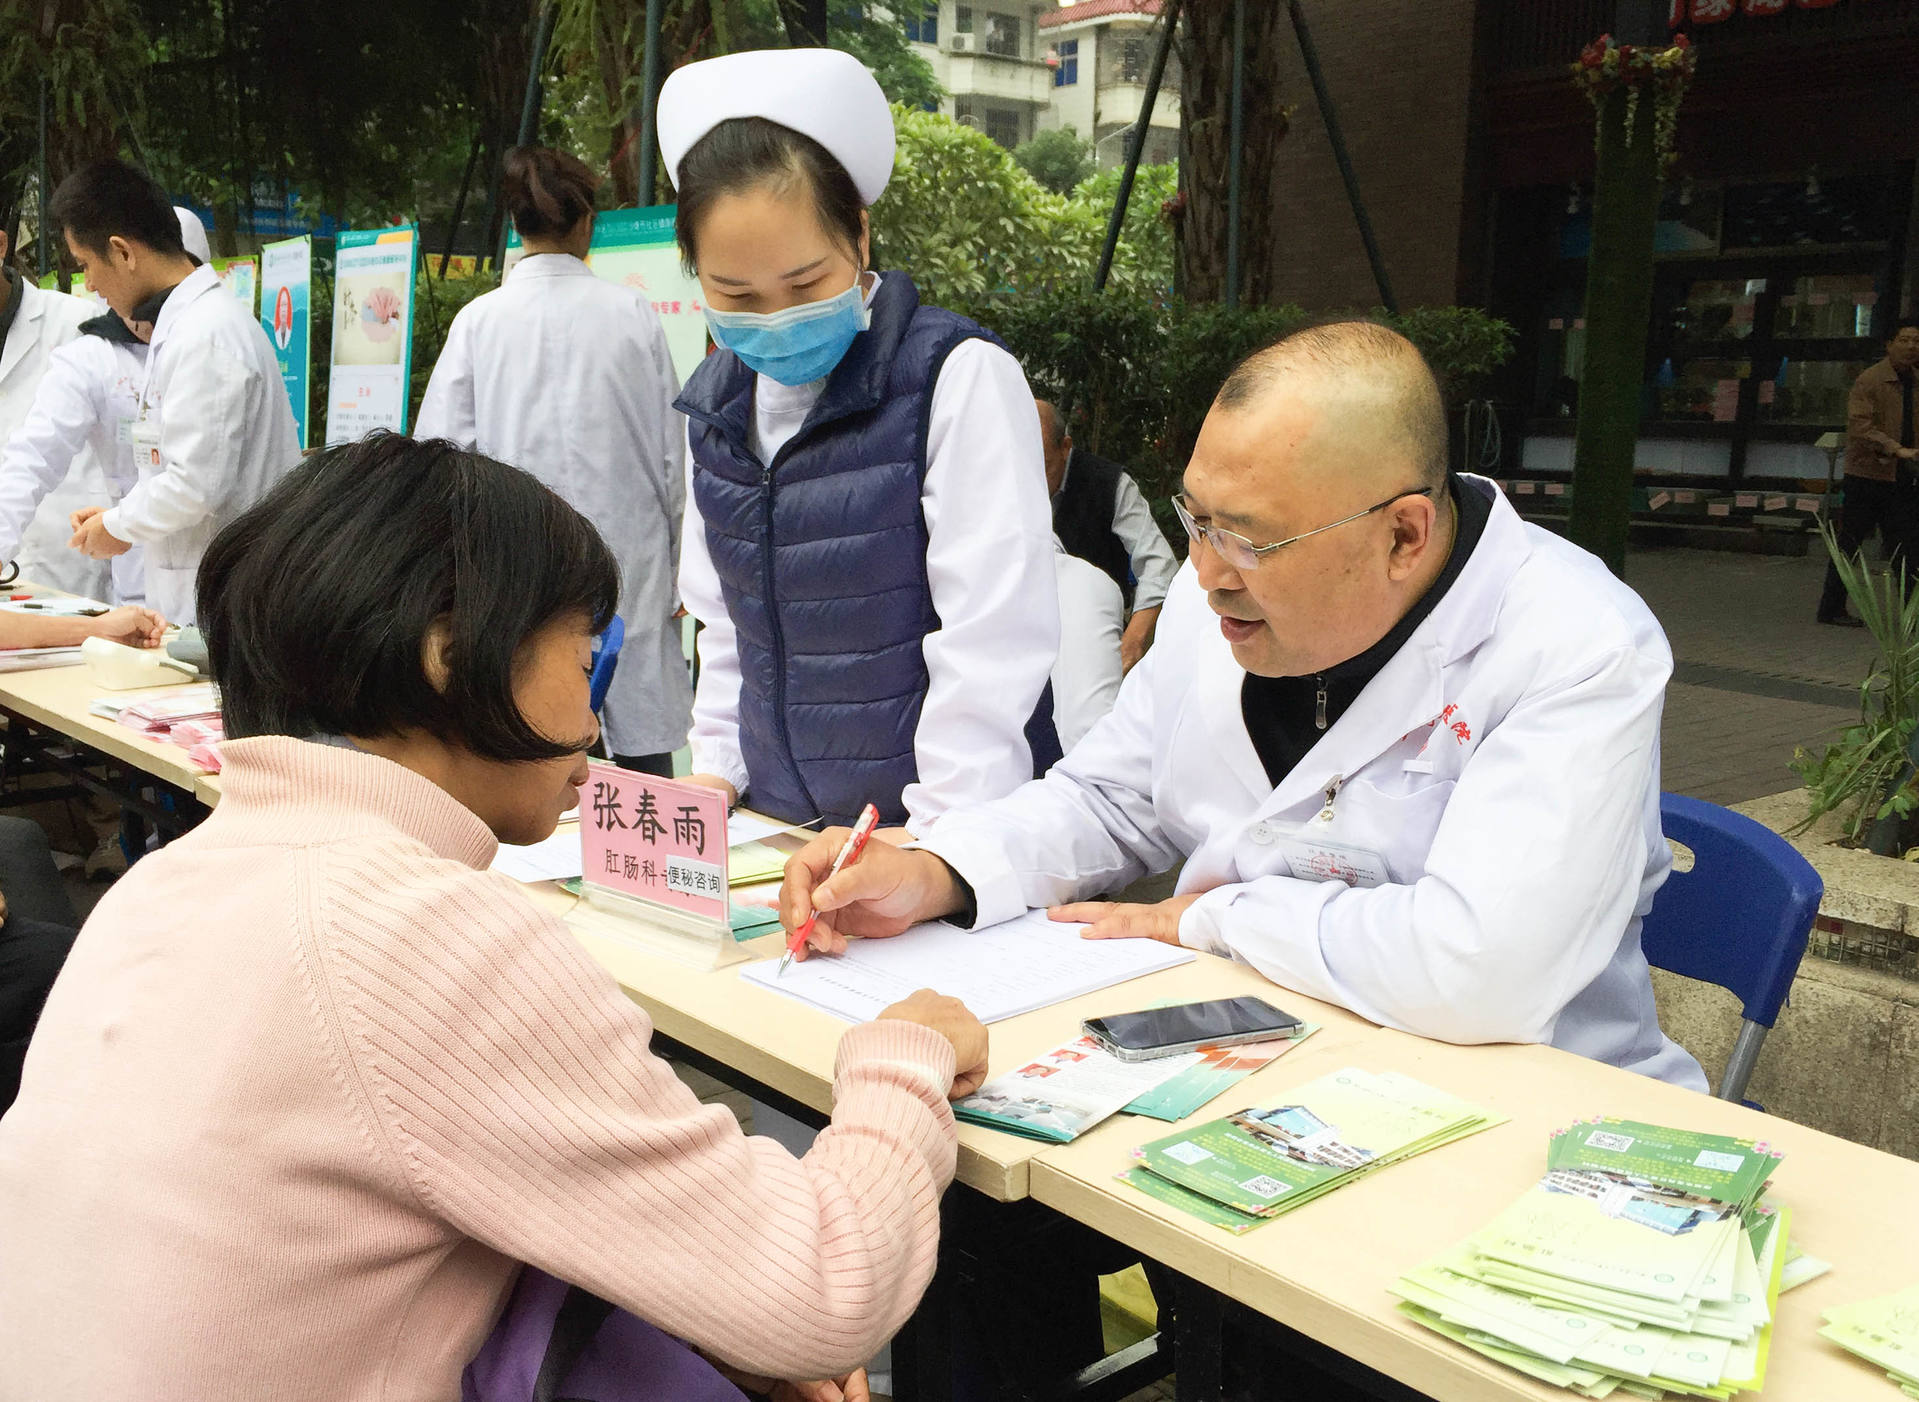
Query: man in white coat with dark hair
[[1403, 747], [213, 428], [74, 448]]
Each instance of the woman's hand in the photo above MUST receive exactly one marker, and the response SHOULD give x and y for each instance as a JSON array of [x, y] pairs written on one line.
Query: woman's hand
[[130, 626], [954, 1021], [714, 781], [851, 1388]]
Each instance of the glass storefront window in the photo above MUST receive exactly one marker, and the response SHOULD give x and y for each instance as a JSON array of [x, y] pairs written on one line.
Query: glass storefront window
[[1702, 391], [1717, 309], [1831, 307], [1810, 392]]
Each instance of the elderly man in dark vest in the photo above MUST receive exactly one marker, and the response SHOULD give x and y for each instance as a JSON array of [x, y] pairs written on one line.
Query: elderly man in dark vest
[[1100, 516]]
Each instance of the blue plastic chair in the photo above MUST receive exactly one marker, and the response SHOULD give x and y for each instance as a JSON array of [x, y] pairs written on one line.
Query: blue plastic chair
[[1740, 918], [606, 657]]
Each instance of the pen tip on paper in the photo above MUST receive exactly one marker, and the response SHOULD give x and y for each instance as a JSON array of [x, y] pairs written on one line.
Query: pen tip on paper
[[785, 959]]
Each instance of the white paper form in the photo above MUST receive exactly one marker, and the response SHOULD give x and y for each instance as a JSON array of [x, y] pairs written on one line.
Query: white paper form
[[556, 859], [1002, 971], [744, 827]]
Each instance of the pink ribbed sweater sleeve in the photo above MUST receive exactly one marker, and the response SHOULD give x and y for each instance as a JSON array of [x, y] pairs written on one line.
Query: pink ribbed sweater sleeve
[[512, 1081]]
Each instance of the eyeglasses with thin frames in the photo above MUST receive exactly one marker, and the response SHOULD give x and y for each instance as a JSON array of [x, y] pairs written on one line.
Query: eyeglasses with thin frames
[[1243, 554]]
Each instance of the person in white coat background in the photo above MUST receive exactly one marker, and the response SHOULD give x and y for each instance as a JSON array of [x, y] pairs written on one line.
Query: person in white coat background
[[34, 324], [1405, 745], [867, 535], [82, 415], [1092, 624], [213, 429], [568, 377]]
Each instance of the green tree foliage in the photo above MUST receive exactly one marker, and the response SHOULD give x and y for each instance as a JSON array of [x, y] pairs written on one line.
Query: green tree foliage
[[969, 224], [1057, 159], [1135, 375]]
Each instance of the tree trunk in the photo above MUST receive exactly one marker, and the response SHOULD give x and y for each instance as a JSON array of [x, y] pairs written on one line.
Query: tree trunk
[[1619, 276], [1205, 52]]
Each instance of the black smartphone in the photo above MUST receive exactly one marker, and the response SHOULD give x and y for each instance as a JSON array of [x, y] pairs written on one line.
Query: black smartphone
[[1157, 1032]]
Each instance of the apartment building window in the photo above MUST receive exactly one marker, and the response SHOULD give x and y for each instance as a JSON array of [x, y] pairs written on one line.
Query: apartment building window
[[925, 28], [1067, 74], [1132, 61], [1003, 126], [963, 19], [1002, 34]]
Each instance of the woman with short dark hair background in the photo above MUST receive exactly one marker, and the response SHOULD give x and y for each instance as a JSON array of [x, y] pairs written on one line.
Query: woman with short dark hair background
[[568, 377], [314, 1081]]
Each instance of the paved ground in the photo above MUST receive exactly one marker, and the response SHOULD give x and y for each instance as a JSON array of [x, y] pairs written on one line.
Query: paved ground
[[1754, 676]]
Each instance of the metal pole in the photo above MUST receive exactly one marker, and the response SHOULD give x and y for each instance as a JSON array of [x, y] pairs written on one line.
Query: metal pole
[[1136, 146], [43, 239], [650, 104], [1333, 134], [459, 205], [530, 108], [1236, 153]]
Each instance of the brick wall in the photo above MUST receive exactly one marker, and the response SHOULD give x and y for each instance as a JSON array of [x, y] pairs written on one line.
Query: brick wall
[[1401, 78]]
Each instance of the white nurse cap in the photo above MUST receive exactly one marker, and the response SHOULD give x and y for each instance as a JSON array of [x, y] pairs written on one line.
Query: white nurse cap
[[193, 234], [822, 93]]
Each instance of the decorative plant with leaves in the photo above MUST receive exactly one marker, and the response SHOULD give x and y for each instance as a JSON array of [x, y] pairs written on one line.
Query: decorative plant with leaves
[[1866, 773]]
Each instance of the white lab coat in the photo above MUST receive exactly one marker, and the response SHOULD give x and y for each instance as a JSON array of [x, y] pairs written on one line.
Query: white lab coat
[[78, 431], [989, 548], [1504, 764], [568, 377], [1086, 675], [45, 322], [225, 430]]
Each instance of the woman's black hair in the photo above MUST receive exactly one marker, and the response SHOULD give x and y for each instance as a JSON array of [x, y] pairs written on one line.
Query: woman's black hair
[[316, 604], [546, 191], [110, 198], [743, 152]]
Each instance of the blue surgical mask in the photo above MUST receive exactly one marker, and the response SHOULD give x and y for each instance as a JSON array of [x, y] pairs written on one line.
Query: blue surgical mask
[[796, 345]]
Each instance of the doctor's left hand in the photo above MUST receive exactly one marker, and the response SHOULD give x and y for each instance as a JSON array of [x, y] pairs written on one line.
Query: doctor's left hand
[[1116, 920], [91, 536]]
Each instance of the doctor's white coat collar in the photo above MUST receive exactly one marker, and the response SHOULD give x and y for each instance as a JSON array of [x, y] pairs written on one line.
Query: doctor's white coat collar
[[186, 292], [1403, 697], [538, 265]]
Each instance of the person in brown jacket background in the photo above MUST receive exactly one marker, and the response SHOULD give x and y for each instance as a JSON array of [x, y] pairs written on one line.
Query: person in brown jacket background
[[1882, 486]]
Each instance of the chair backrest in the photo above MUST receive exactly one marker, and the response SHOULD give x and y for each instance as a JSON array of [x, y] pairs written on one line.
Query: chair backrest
[[1741, 916], [606, 656]]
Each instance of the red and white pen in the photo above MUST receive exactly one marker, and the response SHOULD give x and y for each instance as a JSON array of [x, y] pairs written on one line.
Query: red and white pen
[[850, 853]]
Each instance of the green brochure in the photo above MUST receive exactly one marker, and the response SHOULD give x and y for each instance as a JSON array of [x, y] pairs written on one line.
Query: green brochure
[[1883, 1331], [1218, 1069]]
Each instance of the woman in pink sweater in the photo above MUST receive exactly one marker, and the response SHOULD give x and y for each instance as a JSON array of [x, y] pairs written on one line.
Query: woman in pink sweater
[[314, 1081]]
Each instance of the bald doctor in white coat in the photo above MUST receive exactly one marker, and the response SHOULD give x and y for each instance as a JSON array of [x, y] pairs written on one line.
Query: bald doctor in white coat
[[1462, 847], [42, 323], [213, 430], [568, 377], [76, 442]]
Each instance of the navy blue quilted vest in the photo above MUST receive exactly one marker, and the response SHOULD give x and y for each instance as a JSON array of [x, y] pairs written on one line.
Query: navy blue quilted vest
[[821, 556]]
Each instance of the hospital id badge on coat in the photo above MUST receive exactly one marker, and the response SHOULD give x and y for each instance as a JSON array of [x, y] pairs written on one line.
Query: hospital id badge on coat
[[144, 434], [1332, 861]]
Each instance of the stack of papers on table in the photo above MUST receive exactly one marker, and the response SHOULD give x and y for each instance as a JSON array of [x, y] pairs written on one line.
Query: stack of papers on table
[[1002, 971], [1643, 1262], [1884, 1332], [157, 712], [32, 659], [1260, 1164]]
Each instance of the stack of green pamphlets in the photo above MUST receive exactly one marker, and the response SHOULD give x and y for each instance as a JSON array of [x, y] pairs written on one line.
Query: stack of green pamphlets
[[1643, 1262], [1884, 1332], [1259, 1164]]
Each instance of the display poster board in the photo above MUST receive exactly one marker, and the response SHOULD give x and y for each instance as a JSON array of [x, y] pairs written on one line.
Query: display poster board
[[286, 296], [635, 248], [372, 358], [242, 277]]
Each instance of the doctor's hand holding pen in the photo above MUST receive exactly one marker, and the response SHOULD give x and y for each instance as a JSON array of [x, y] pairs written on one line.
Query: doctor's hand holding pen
[[883, 893]]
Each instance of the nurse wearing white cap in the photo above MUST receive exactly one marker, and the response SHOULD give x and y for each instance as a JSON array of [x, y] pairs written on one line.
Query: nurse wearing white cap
[[867, 537]]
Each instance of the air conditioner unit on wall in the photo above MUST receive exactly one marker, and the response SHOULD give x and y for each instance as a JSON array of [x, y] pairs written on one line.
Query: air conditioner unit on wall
[[961, 43]]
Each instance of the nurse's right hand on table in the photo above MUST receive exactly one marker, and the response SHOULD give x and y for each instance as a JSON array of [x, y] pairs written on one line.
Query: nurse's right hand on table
[[131, 626], [714, 781], [954, 1021], [884, 892]]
